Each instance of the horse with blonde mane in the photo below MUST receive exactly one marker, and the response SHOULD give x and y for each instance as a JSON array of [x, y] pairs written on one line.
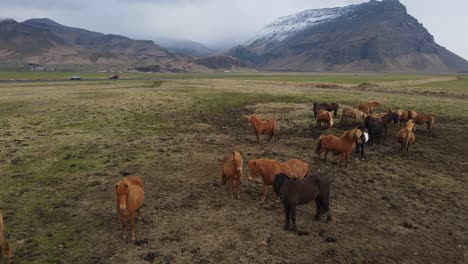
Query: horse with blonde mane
[[268, 168], [339, 145], [4, 246], [263, 127], [129, 196], [231, 172], [323, 116], [406, 136]]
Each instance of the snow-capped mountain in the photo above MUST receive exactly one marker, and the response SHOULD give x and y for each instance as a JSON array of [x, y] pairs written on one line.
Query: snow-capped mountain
[[377, 36], [288, 25]]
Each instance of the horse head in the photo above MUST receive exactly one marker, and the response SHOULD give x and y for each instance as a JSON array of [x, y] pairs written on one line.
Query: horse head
[[237, 161], [121, 192], [357, 135], [253, 170], [280, 179]]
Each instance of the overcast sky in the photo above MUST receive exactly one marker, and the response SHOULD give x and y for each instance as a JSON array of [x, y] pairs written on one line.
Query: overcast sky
[[215, 22]]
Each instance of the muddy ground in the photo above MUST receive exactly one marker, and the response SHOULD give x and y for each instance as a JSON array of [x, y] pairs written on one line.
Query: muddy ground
[[388, 208]]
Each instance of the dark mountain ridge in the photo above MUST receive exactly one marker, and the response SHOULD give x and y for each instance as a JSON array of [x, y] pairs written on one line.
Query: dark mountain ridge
[[374, 37]]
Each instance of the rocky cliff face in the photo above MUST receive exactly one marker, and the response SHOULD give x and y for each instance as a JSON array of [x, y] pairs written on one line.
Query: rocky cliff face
[[370, 37]]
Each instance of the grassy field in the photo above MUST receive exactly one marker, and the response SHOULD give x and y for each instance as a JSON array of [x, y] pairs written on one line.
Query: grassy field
[[64, 145]]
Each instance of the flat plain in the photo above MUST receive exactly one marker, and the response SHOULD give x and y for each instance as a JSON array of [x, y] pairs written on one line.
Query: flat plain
[[65, 143]]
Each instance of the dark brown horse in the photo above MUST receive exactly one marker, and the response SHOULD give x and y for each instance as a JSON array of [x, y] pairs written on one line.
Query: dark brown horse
[[330, 107], [296, 192]]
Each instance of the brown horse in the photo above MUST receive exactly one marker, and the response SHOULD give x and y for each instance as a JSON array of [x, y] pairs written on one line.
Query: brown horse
[[129, 196], [368, 107], [231, 172], [339, 145], [260, 127], [422, 119], [268, 168], [406, 136], [4, 247], [323, 116], [350, 112]]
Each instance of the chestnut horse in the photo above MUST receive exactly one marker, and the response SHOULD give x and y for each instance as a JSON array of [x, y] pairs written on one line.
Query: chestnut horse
[[350, 112], [422, 119], [368, 107], [231, 172], [268, 168], [406, 136], [260, 127], [323, 116], [4, 247], [342, 145], [129, 196], [296, 192]]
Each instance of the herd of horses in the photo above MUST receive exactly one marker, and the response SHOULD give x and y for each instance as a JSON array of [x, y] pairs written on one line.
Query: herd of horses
[[292, 181]]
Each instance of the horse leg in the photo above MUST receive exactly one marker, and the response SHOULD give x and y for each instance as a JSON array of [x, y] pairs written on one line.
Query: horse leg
[[264, 193], [346, 157], [326, 153], [318, 207], [132, 225], [287, 216], [293, 218], [124, 226], [258, 137]]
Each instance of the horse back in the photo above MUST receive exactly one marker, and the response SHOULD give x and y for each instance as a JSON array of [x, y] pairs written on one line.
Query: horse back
[[136, 191], [295, 168]]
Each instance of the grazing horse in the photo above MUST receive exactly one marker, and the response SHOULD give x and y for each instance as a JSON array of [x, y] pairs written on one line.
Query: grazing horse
[[326, 117], [327, 106], [231, 172], [368, 107], [268, 168], [350, 112], [406, 136], [260, 127], [4, 247], [375, 127], [422, 119], [339, 145], [129, 196], [360, 146], [296, 192]]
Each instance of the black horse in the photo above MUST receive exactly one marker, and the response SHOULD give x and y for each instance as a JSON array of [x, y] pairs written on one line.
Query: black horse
[[295, 192], [330, 107], [360, 146], [375, 129]]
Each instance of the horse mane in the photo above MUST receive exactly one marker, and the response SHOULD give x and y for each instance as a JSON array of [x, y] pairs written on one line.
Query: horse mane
[[280, 179]]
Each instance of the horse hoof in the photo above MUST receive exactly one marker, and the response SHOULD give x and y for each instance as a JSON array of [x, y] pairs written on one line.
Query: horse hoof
[[124, 237], [286, 228]]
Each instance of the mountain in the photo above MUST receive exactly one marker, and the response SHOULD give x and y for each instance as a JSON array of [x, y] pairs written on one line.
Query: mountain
[[377, 36], [44, 41], [185, 47]]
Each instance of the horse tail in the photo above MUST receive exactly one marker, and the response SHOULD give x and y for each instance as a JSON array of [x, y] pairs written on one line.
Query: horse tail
[[331, 118], [319, 145], [276, 128], [431, 121]]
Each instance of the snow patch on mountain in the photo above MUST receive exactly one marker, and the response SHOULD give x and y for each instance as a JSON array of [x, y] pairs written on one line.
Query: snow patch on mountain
[[283, 27]]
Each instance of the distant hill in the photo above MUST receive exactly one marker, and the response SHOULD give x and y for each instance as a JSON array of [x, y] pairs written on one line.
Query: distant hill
[[378, 36], [44, 41], [185, 47]]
